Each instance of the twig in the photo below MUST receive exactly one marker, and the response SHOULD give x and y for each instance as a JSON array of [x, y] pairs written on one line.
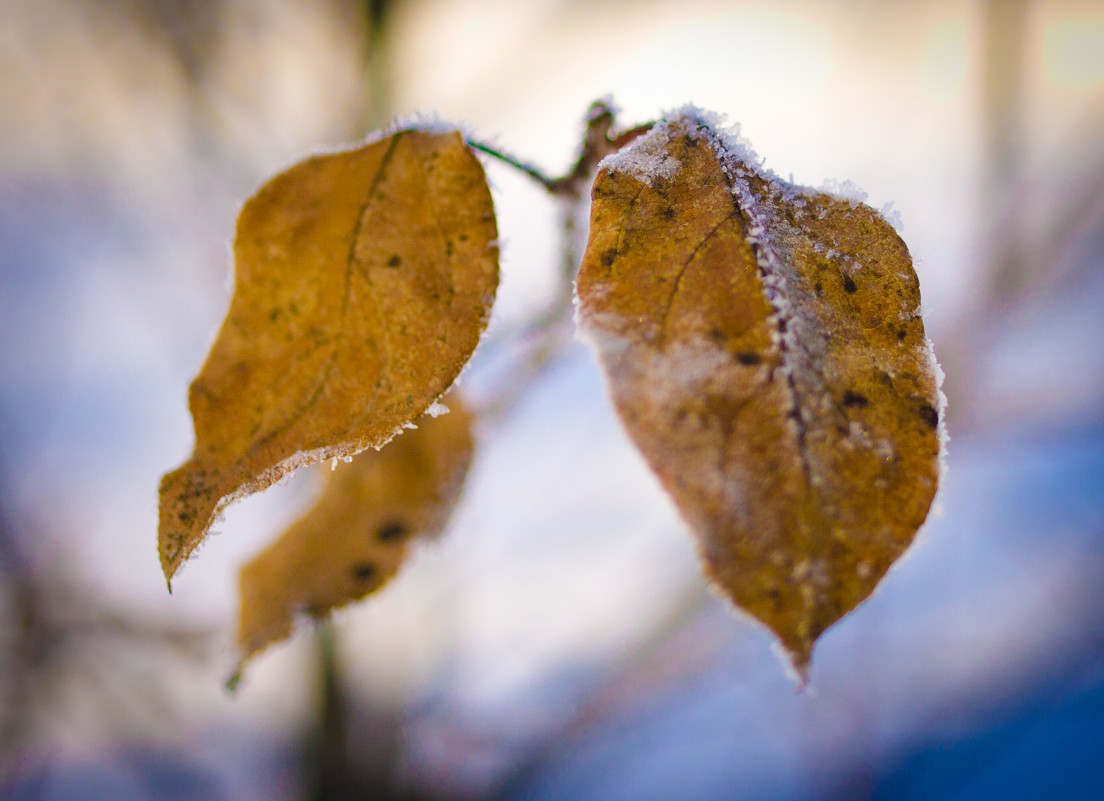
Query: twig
[[546, 335]]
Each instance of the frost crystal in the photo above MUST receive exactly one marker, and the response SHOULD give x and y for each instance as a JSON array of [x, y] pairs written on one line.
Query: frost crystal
[[845, 190], [646, 160], [437, 409], [892, 215]]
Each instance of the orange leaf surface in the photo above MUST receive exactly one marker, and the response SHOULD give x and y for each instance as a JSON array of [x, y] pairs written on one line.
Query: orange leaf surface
[[354, 539], [363, 282], [763, 347]]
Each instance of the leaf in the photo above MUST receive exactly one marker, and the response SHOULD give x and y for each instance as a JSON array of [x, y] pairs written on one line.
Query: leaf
[[354, 539], [363, 282], [763, 347]]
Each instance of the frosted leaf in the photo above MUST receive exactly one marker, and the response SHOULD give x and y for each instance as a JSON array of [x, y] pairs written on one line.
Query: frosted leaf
[[784, 396], [364, 280]]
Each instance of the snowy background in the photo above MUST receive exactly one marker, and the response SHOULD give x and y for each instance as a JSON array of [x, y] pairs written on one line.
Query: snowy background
[[558, 641]]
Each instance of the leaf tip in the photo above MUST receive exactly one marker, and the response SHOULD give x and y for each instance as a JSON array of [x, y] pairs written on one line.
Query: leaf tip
[[796, 658], [188, 503]]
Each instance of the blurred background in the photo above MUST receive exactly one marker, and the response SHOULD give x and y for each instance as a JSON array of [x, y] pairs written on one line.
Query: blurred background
[[557, 642]]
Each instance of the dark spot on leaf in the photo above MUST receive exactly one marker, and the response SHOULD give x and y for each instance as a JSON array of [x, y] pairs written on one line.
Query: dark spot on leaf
[[362, 571], [717, 334], [448, 247], [852, 398], [463, 237], [748, 358], [849, 285], [668, 213], [929, 414], [394, 261], [391, 531], [902, 333], [819, 288], [608, 257]]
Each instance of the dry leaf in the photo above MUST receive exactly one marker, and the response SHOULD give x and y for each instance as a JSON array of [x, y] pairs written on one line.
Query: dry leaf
[[764, 349], [354, 539], [363, 282]]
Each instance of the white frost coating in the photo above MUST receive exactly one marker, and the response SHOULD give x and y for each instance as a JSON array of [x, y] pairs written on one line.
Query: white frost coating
[[596, 330], [663, 379], [437, 409], [428, 122], [941, 408], [727, 136], [645, 159], [892, 215], [682, 366], [936, 509], [845, 190], [693, 369]]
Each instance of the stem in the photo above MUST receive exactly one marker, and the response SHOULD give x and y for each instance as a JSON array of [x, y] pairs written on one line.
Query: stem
[[531, 170], [597, 144]]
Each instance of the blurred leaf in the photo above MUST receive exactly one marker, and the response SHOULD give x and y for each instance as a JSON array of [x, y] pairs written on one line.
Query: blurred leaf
[[356, 536], [764, 349], [363, 282]]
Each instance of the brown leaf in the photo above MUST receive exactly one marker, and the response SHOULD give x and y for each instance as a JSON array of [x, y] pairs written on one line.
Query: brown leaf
[[363, 282], [354, 539], [764, 349]]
